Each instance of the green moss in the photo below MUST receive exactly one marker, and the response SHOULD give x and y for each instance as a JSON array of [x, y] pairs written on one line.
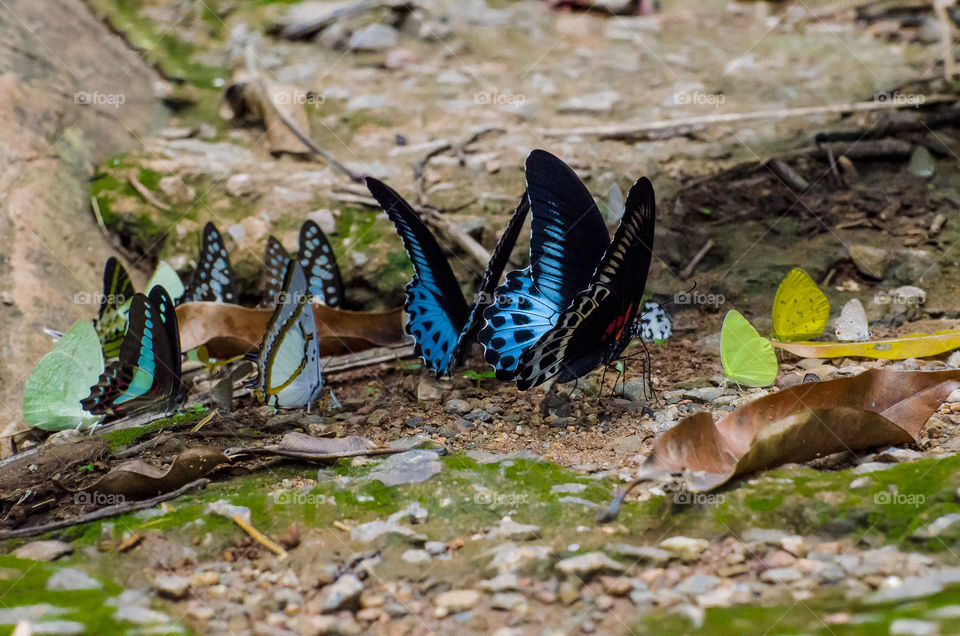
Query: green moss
[[123, 437]]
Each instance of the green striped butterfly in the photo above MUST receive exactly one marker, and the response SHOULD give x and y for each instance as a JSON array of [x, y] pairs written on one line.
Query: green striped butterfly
[[288, 364], [146, 377], [111, 321]]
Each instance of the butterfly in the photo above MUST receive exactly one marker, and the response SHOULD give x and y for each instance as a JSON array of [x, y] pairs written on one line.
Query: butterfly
[[800, 309], [214, 279], [747, 357], [146, 377], [439, 318], [318, 261], [288, 364], [574, 307], [852, 325], [655, 324], [111, 321]]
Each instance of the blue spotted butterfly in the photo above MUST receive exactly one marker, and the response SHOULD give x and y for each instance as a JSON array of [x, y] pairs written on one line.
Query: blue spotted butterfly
[[214, 279], [111, 321], [575, 307], [438, 315], [146, 377], [288, 363], [318, 261]]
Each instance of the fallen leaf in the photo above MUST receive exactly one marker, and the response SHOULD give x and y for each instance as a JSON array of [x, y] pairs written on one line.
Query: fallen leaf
[[136, 479], [875, 408], [914, 345], [229, 330], [302, 446]]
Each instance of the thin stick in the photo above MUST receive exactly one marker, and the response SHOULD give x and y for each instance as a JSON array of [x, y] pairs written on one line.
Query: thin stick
[[367, 358], [103, 513], [688, 270], [260, 538], [147, 195], [666, 128], [946, 38]]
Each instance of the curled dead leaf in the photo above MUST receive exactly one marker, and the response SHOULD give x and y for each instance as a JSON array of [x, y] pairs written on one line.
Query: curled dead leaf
[[800, 423], [137, 479]]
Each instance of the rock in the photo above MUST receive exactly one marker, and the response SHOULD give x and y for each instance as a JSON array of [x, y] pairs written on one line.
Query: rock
[[200, 611], [508, 557], [398, 58], [507, 528], [178, 192], [72, 579], [781, 575], [377, 417], [324, 219], [376, 37], [556, 404], [407, 468], [458, 406], [415, 442], [239, 185], [344, 593], [870, 467], [43, 550], [943, 525], [913, 626], [599, 102], [506, 582], [314, 625], [794, 544], [64, 437], [579, 501], [457, 600], [685, 548], [954, 362], [199, 579], [171, 585], [429, 389], [642, 553], [921, 163], [509, 601], [698, 584], [142, 615], [569, 488], [365, 102], [367, 532], [415, 556], [569, 591], [587, 565], [414, 513], [871, 261], [435, 548]]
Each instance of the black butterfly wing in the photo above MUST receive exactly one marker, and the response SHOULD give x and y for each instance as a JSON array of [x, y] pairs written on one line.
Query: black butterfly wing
[[434, 302], [111, 321], [567, 240], [598, 325], [320, 265], [214, 279], [491, 278], [275, 257], [167, 350]]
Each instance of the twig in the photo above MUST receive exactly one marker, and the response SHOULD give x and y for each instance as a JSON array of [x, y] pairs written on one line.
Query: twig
[[260, 538], [788, 175], [688, 270], [103, 513], [467, 242], [666, 128], [338, 364], [147, 195], [946, 38]]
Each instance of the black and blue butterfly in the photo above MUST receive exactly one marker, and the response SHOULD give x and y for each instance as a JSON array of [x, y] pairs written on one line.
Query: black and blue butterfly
[[213, 279], [111, 321], [575, 307], [318, 261], [288, 364], [146, 377], [439, 318]]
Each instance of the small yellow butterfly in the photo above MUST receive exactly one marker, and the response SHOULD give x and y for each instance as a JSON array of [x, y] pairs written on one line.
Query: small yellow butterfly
[[800, 309], [747, 357]]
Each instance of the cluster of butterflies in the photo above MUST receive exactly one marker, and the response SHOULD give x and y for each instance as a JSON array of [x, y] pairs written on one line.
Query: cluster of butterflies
[[140, 331], [800, 312], [577, 306]]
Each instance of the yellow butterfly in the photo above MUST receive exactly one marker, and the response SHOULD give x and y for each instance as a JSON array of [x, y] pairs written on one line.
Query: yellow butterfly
[[800, 309], [747, 357]]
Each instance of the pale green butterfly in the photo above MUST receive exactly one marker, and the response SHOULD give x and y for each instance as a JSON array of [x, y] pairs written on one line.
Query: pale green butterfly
[[747, 357], [167, 277], [52, 393]]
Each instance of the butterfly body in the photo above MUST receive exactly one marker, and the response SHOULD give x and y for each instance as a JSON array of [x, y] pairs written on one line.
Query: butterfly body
[[146, 376], [439, 318], [289, 374], [214, 279]]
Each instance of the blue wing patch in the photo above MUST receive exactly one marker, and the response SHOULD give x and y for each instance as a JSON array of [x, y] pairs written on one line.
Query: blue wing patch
[[320, 265], [214, 279]]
